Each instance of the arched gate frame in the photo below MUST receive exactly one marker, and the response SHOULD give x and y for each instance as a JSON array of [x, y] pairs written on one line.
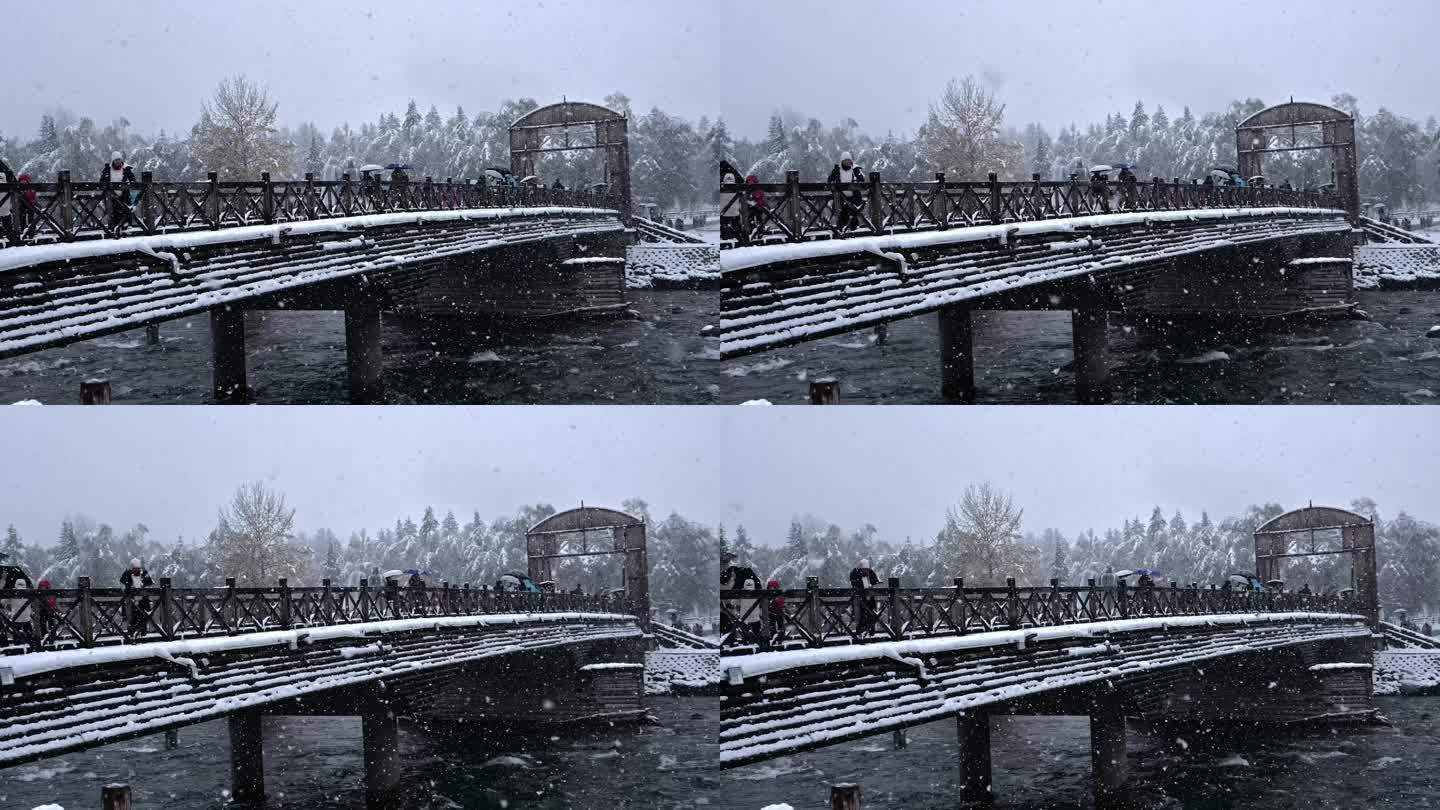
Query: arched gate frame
[[1312, 532], [592, 532], [549, 129], [1266, 131]]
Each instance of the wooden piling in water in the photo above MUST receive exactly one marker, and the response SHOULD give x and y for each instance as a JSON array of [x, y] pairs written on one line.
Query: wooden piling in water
[[115, 796], [957, 355], [95, 392], [825, 391], [1092, 369], [845, 796], [152, 334]]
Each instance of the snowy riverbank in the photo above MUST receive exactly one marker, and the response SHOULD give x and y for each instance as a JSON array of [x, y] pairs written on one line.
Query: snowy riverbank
[[1407, 672]]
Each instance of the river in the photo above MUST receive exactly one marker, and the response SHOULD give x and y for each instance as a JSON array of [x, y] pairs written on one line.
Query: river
[[1044, 762], [1024, 357], [316, 763], [299, 358]]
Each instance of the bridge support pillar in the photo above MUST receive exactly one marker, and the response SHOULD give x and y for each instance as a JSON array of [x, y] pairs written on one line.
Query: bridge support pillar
[[973, 728], [363, 356], [1092, 369], [957, 355], [380, 731], [247, 763], [1107, 749], [227, 349]]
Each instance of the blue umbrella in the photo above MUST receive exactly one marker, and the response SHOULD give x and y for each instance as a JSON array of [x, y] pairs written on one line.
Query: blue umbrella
[[416, 571], [1146, 572], [397, 165]]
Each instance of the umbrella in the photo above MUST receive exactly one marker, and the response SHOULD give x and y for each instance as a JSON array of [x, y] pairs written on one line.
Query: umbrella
[[1275, 583], [1221, 172], [1239, 578], [393, 573], [1130, 166], [1259, 178], [1226, 170], [1146, 572], [416, 571], [397, 165], [529, 179], [1102, 167], [1123, 572], [372, 167]]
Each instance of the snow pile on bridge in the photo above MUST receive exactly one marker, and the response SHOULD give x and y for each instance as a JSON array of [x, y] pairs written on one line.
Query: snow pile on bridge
[[1396, 266], [682, 671], [671, 266], [1407, 672], [742, 258]]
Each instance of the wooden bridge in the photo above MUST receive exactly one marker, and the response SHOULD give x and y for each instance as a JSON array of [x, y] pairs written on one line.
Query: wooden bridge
[[426, 249], [953, 249], [95, 666], [834, 665]]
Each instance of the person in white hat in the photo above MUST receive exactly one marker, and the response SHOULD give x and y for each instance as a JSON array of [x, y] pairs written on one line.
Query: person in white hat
[[847, 172], [119, 177]]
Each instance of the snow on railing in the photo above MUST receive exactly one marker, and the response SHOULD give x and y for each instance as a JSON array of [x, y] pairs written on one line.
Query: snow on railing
[[797, 212], [818, 617], [67, 210], [36, 619]]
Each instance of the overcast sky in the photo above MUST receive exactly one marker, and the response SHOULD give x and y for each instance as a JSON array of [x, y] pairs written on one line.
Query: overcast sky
[[329, 61], [348, 468], [1068, 467], [1072, 61]]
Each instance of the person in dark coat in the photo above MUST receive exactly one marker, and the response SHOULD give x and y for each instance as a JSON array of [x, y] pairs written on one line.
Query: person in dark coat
[[847, 172], [1100, 191], [134, 578], [862, 579], [558, 186], [118, 178], [1127, 189], [10, 206], [400, 187]]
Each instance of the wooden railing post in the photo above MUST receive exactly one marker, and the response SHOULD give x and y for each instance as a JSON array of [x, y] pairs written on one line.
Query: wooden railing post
[[1012, 601], [894, 608], [310, 204], [466, 605], [941, 203], [364, 600], [231, 607], [793, 211], [961, 620], [997, 213], [877, 204], [1122, 600], [67, 207], [1036, 208], [114, 796], [147, 202], [212, 200], [166, 609], [284, 603], [347, 195], [812, 610], [327, 605], [267, 199], [1055, 619], [86, 609]]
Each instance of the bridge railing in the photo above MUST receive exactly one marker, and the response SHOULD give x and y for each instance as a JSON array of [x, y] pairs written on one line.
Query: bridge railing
[[66, 210], [819, 617], [793, 211], [39, 619]]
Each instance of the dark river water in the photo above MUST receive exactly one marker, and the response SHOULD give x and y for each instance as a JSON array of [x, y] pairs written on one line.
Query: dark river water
[[316, 763], [1041, 762], [1024, 357], [299, 358]]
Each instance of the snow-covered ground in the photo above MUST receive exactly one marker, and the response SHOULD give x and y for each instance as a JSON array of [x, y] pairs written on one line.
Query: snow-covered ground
[[1407, 672], [685, 670], [669, 266], [1396, 266]]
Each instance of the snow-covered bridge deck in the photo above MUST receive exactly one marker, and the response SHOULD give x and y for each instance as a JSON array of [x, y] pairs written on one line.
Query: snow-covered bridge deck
[[784, 702], [60, 701], [54, 294], [777, 295]]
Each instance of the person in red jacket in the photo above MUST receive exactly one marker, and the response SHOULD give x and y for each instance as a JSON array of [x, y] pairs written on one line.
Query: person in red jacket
[[777, 612]]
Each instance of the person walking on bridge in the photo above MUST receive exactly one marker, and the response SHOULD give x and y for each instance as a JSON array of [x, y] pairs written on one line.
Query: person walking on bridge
[[9, 206], [730, 214], [117, 178], [776, 606], [862, 579], [847, 172], [134, 578]]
